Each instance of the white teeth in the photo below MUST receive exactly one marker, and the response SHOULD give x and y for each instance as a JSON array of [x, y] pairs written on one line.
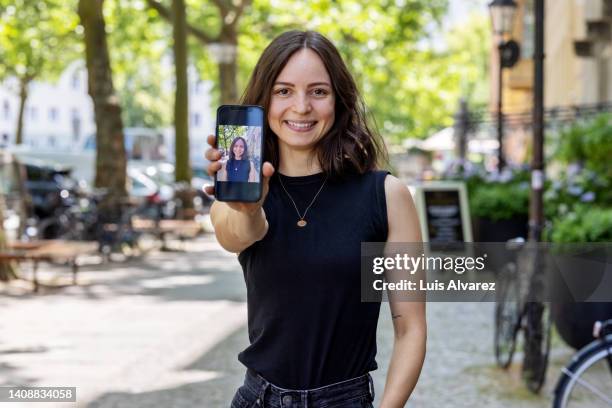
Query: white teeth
[[301, 125]]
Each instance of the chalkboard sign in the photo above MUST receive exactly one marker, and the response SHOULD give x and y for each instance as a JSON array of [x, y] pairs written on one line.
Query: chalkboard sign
[[443, 212]]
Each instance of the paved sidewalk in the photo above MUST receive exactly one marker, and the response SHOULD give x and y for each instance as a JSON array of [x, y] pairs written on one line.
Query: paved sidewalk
[[165, 332], [128, 328]]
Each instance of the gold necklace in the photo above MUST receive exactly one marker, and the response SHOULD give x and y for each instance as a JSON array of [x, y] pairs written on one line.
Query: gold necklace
[[301, 222]]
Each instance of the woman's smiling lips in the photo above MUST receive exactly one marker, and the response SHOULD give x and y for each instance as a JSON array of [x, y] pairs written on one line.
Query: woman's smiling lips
[[300, 126]]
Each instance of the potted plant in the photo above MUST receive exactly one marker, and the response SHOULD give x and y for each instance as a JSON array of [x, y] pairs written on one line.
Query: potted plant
[[499, 201], [579, 207]]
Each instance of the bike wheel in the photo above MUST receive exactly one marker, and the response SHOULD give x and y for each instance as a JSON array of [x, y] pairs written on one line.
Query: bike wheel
[[587, 380], [507, 316], [537, 330]]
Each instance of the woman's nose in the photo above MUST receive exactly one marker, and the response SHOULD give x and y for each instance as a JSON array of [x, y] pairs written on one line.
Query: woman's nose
[[302, 104]]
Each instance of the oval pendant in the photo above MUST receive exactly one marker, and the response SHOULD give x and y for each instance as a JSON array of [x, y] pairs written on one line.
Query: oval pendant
[[301, 223]]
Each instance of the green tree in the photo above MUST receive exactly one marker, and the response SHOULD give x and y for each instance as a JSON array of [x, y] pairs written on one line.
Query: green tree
[[220, 36], [229, 15], [31, 33], [138, 42], [383, 45], [110, 148]]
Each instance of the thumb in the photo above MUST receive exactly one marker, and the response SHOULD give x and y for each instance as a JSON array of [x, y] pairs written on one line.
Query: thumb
[[267, 170]]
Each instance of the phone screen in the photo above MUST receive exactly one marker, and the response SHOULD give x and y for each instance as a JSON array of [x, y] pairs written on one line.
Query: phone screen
[[240, 138]]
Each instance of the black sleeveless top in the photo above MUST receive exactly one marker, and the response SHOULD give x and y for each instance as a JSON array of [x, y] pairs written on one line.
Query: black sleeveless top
[[238, 170], [307, 325]]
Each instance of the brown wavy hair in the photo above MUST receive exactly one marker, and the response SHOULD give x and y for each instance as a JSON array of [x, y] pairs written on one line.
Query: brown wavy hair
[[351, 145]]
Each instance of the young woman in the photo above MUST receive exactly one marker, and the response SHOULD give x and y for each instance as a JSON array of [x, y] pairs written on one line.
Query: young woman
[[238, 167], [312, 340]]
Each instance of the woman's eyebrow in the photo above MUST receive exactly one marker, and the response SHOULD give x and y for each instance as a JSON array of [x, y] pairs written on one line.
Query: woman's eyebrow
[[309, 85]]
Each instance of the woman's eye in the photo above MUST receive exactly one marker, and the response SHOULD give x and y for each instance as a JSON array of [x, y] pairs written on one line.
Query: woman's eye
[[282, 91], [320, 92]]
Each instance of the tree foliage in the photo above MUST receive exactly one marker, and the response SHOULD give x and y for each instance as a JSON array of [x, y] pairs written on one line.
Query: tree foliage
[[411, 87], [139, 46], [32, 32], [30, 35]]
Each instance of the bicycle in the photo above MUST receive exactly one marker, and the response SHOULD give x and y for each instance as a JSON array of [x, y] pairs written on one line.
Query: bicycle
[[84, 219], [587, 380], [517, 308]]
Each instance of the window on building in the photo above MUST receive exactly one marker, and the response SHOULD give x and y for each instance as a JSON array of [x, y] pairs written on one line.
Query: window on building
[[51, 141], [76, 128], [53, 114], [5, 139], [195, 121], [6, 109], [527, 48], [75, 80], [33, 113]]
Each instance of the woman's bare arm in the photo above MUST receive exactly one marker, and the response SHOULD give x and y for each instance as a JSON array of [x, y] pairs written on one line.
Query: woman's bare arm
[[409, 323], [237, 230], [237, 225]]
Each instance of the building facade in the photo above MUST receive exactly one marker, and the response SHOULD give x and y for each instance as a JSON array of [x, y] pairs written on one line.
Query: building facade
[[578, 47], [59, 116], [577, 67]]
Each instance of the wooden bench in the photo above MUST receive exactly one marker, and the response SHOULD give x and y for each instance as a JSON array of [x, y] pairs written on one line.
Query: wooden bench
[[183, 229], [48, 251]]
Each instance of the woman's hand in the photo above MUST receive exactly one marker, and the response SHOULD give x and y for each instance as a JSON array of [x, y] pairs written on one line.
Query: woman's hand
[[214, 156]]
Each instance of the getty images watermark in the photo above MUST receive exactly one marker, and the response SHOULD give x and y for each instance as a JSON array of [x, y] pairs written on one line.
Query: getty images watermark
[[477, 272], [411, 265]]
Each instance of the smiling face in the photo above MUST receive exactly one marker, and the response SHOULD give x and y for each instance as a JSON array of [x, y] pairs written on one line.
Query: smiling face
[[301, 107], [238, 149]]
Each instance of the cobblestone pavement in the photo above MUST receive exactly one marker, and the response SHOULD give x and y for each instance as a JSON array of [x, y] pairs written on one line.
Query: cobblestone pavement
[[165, 332]]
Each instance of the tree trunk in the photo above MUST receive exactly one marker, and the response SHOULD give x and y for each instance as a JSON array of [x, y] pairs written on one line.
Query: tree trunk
[[7, 269], [110, 152], [227, 81], [181, 101], [228, 69], [23, 96]]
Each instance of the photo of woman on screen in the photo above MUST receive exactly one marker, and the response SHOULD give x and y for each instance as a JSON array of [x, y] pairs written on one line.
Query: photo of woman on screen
[[238, 167]]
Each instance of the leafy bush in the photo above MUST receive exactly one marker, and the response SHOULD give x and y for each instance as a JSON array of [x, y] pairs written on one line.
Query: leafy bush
[[579, 202], [576, 186], [585, 224], [493, 195], [589, 145], [500, 201]]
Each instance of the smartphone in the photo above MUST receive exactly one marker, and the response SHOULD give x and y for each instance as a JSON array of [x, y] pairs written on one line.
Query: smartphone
[[239, 137]]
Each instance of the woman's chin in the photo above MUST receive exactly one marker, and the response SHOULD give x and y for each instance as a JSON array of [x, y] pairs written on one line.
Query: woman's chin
[[299, 143]]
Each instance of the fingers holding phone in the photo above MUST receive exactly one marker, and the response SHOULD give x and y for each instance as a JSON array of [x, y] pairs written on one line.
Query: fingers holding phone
[[215, 166], [213, 156]]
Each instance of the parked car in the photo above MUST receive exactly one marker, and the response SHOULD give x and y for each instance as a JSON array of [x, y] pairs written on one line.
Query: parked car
[[155, 193], [50, 187], [162, 173]]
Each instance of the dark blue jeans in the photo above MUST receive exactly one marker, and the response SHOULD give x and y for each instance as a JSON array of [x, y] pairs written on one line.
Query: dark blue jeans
[[257, 392]]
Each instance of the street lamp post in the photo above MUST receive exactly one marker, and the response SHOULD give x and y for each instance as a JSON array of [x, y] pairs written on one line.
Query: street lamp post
[[536, 214], [501, 162], [502, 18]]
